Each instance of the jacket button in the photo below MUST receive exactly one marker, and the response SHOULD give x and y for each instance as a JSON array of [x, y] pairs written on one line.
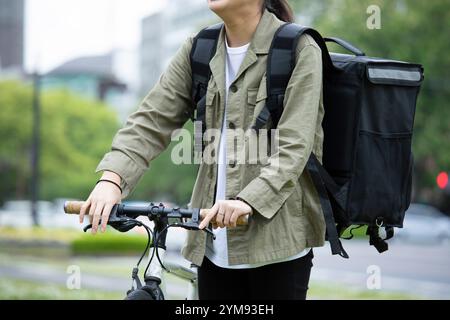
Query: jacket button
[[234, 88], [231, 125]]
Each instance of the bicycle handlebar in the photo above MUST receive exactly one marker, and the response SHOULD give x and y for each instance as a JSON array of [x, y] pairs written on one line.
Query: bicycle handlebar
[[150, 210]]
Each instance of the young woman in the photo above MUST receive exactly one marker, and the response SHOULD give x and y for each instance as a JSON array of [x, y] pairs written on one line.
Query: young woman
[[271, 257]]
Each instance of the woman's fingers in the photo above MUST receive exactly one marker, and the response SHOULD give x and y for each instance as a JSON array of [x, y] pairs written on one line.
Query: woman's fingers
[[97, 216], [83, 209], [234, 217], [221, 214], [105, 216], [210, 214], [225, 213], [206, 219], [92, 211], [228, 215]]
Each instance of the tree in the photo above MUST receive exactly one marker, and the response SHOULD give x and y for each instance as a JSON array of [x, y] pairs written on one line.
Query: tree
[[75, 133], [166, 181]]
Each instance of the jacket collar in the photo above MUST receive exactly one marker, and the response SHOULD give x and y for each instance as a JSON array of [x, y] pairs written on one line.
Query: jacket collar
[[260, 44], [262, 39]]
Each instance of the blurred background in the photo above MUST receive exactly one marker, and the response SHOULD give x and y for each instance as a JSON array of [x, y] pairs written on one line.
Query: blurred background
[[70, 73]]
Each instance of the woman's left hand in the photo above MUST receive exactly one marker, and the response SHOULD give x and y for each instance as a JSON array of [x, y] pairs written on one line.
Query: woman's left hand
[[226, 213]]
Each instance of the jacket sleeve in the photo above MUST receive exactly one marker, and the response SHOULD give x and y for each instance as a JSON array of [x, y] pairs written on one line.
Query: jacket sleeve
[[296, 133], [148, 130]]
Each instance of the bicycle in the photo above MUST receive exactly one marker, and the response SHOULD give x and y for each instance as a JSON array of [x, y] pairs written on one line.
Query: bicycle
[[123, 218]]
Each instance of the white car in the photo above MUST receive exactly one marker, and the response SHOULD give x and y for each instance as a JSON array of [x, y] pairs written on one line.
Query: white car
[[50, 215], [424, 224]]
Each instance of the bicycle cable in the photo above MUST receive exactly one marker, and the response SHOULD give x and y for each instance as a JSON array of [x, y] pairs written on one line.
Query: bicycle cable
[[156, 242]]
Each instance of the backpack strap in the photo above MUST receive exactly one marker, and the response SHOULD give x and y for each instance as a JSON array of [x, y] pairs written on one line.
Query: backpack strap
[[280, 66], [203, 50], [376, 240], [332, 235]]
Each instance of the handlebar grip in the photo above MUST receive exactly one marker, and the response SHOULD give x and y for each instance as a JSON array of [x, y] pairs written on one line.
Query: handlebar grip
[[242, 221], [73, 207]]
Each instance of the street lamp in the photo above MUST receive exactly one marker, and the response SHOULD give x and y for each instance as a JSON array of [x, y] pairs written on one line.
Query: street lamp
[[35, 147]]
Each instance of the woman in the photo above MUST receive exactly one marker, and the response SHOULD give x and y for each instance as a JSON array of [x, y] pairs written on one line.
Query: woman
[[271, 258]]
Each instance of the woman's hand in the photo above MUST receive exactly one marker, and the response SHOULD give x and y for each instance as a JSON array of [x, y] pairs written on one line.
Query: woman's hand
[[101, 201], [226, 213]]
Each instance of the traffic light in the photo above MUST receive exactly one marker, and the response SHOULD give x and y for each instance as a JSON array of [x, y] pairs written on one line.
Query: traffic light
[[442, 180]]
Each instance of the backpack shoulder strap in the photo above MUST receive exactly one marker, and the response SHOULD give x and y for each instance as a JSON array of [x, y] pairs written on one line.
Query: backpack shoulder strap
[[203, 50], [280, 65]]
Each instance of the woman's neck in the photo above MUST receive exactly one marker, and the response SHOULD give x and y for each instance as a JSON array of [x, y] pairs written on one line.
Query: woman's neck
[[240, 29]]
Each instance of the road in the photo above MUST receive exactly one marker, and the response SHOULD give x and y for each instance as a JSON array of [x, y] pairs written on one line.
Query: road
[[422, 270], [419, 270]]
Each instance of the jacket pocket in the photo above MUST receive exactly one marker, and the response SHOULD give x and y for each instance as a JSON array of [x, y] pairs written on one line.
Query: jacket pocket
[[211, 96], [381, 183], [252, 94], [257, 100], [210, 102]]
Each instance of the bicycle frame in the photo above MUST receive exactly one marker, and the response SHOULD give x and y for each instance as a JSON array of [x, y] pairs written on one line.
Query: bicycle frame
[[155, 269], [123, 218]]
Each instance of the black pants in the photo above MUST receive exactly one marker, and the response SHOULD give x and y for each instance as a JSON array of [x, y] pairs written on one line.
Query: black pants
[[280, 281]]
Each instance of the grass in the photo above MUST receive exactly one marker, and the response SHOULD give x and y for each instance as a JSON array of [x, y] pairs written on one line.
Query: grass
[[319, 291], [12, 289]]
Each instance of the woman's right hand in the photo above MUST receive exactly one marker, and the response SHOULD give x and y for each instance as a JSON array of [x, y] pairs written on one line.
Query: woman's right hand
[[101, 201]]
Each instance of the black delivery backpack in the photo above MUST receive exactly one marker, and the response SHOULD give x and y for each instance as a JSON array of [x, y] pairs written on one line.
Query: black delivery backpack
[[366, 175]]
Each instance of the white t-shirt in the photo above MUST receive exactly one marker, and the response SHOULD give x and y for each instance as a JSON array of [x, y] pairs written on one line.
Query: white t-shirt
[[217, 250]]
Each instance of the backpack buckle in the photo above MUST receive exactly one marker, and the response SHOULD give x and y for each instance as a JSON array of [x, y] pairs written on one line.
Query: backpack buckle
[[379, 222]]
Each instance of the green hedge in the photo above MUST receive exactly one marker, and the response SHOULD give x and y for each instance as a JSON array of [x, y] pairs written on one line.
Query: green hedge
[[359, 233], [108, 244]]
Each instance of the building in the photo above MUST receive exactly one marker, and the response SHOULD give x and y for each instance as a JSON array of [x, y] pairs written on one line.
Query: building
[[93, 77], [164, 32], [12, 35], [152, 52]]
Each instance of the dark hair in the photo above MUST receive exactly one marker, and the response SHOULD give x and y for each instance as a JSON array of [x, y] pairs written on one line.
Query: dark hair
[[281, 9]]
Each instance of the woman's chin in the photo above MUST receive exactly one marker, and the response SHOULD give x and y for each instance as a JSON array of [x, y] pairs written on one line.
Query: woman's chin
[[217, 5]]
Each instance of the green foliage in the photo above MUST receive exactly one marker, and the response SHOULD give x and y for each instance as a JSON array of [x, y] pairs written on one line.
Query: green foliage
[[75, 242], [74, 136], [111, 243], [166, 181], [411, 30]]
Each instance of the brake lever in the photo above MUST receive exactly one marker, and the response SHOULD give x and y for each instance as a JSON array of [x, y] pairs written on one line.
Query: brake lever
[[195, 223], [209, 231], [120, 223], [192, 226]]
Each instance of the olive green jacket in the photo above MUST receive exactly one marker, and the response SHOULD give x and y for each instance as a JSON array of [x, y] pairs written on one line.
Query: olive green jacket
[[287, 214]]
